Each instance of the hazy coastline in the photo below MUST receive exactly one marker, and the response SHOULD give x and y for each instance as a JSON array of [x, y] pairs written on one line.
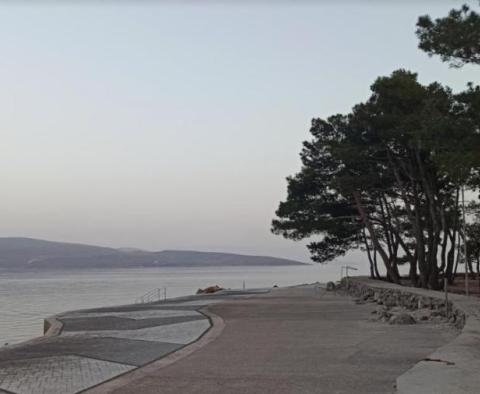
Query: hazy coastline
[[27, 254]]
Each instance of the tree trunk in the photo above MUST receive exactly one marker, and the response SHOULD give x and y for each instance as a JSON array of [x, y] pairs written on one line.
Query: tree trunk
[[413, 214], [368, 224], [422, 266], [375, 266], [453, 241], [413, 272], [443, 252], [365, 240], [433, 230]]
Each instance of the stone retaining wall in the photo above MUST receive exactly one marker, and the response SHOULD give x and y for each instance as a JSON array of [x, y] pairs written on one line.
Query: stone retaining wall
[[405, 298], [453, 368]]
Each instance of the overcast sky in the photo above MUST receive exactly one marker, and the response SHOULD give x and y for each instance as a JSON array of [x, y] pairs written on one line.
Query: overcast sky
[[157, 125]]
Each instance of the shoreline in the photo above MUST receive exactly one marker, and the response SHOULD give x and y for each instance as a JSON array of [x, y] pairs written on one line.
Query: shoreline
[[28, 299], [127, 342]]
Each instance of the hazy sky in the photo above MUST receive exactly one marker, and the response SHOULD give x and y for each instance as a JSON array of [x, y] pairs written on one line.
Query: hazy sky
[[158, 126]]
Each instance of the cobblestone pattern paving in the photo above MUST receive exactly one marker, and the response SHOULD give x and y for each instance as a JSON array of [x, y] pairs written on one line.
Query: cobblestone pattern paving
[[105, 343], [99, 344], [130, 352], [57, 375]]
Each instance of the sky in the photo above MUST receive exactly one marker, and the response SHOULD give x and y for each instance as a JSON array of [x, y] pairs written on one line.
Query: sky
[[173, 125]]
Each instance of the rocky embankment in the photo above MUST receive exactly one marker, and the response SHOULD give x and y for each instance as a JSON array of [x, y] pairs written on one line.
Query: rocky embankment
[[401, 306], [452, 368]]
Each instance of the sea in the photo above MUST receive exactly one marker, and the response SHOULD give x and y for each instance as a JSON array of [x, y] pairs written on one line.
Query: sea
[[26, 298]]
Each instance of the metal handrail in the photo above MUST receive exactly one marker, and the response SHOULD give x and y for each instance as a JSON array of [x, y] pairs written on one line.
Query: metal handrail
[[154, 295]]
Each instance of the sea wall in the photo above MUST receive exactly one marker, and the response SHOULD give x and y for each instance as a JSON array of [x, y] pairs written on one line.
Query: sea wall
[[452, 368]]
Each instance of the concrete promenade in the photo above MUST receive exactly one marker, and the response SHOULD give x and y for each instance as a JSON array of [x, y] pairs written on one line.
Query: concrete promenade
[[296, 340], [293, 340]]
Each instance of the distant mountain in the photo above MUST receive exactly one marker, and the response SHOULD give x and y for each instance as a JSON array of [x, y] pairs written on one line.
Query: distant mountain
[[34, 254]]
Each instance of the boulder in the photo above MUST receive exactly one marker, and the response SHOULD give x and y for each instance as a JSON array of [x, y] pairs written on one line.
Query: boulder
[[402, 318], [380, 313], [331, 286], [390, 301], [423, 314], [381, 309]]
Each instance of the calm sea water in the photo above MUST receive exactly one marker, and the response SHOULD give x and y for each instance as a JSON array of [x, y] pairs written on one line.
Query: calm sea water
[[27, 298]]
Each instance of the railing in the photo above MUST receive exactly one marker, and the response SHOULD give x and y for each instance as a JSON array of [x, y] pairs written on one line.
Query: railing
[[154, 295]]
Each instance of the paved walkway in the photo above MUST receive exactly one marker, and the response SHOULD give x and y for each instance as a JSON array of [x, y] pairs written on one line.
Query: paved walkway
[[298, 340], [100, 344]]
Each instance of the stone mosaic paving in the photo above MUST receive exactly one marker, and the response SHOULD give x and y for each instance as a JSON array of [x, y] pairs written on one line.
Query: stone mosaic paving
[[99, 344], [124, 351], [120, 323], [138, 315], [179, 333], [57, 375], [104, 343]]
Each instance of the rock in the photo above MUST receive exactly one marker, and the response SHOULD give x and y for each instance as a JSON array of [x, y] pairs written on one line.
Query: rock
[[437, 319], [367, 297], [209, 290], [402, 318], [331, 286], [385, 319], [381, 309], [380, 313], [424, 302], [423, 314], [438, 312], [390, 301], [420, 307]]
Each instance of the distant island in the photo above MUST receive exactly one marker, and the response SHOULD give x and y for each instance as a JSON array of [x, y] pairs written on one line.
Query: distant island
[[34, 254]]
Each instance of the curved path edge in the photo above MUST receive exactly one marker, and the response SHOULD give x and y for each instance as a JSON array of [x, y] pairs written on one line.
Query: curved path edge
[[452, 368], [217, 326]]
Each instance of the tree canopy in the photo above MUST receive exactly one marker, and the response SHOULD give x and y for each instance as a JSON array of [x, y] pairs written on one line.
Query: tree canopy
[[386, 176], [455, 38]]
